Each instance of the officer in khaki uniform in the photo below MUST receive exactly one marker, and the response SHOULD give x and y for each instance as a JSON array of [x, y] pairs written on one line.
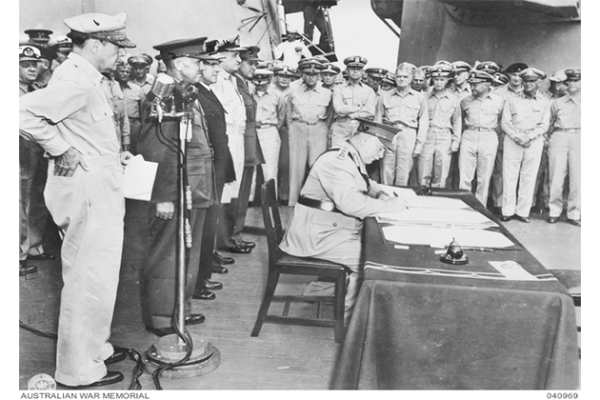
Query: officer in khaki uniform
[[307, 110], [328, 74], [134, 97], [525, 119], [328, 219], [513, 88], [72, 120], [373, 77], [481, 116], [564, 151], [445, 128], [405, 109], [140, 67], [351, 100]]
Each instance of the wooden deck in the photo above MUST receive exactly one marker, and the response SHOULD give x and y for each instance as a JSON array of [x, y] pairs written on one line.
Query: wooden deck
[[282, 357]]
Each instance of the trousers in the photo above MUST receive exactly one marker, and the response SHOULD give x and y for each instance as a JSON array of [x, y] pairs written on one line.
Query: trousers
[[88, 208], [519, 168], [307, 143], [270, 144], [283, 171], [434, 160], [564, 158], [496, 183], [476, 158], [397, 164]]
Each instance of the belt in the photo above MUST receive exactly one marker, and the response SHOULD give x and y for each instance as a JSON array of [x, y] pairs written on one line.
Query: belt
[[343, 119], [308, 123], [106, 160], [572, 130], [435, 129], [265, 125], [480, 129], [401, 124], [324, 205], [134, 119]]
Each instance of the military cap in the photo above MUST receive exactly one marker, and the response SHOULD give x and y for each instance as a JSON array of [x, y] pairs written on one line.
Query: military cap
[[480, 76], [558, 76], [573, 74], [139, 59], [532, 73], [384, 133], [460, 66], [355, 61], [440, 71], [29, 53], [110, 28], [45, 52], [515, 68], [390, 79], [420, 72], [443, 62], [322, 59], [250, 53], [61, 42], [489, 66], [376, 72], [262, 75], [329, 68], [500, 78], [39, 36], [192, 48], [311, 66], [228, 45], [284, 70]]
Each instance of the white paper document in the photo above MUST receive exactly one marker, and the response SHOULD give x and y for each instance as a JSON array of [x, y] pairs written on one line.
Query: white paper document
[[437, 217], [139, 178], [512, 270], [440, 237], [396, 191]]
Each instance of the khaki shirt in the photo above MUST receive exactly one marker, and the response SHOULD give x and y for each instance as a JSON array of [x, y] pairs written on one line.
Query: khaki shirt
[[146, 85], [134, 98], [482, 112], [444, 113], [354, 101], [461, 91], [409, 110], [566, 112], [526, 115], [507, 92], [270, 109], [308, 105], [228, 94], [73, 110]]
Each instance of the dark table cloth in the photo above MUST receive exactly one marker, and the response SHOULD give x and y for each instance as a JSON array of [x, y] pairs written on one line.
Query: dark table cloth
[[432, 331]]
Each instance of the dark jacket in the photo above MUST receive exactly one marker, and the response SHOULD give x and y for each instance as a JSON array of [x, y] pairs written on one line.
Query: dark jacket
[[252, 151], [217, 128], [199, 157]]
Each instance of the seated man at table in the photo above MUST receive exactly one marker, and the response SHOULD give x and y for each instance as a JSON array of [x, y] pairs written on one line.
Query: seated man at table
[[327, 221]]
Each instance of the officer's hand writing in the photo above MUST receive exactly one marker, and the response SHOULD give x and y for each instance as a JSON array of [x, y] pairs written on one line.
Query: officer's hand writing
[[67, 162], [125, 156], [381, 195], [165, 210], [399, 203]]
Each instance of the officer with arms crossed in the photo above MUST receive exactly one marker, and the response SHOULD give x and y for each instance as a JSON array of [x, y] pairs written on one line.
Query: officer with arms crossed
[[72, 120], [338, 178]]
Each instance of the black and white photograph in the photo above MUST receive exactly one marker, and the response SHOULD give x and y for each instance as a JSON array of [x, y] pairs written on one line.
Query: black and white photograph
[[301, 195]]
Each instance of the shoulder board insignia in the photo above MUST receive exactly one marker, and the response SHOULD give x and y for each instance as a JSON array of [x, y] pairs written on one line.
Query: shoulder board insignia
[[342, 153]]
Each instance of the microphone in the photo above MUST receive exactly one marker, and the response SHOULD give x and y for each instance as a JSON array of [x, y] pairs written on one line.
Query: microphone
[[161, 92]]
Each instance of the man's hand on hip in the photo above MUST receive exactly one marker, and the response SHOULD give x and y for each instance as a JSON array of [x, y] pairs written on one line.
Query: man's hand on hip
[[67, 162]]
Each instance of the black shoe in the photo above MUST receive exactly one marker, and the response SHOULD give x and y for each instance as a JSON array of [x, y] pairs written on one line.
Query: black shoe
[[194, 319], [250, 245], [552, 220], [118, 355], [42, 257], [505, 218], [204, 294], [239, 248], [222, 259], [218, 269], [26, 269], [575, 222], [212, 285], [110, 378], [523, 219]]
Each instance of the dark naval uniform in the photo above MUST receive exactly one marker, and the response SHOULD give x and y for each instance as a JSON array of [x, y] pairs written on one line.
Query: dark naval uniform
[[157, 282]]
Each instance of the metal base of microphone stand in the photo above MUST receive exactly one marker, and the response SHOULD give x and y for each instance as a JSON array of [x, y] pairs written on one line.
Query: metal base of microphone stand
[[169, 349]]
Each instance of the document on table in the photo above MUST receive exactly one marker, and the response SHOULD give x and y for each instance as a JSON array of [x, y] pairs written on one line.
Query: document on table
[[139, 178], [437, 217], [512, 270], [415, 201], [441, 237]]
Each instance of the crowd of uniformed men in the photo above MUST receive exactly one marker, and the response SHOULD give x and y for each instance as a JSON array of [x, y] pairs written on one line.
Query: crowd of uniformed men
[[476, 127]]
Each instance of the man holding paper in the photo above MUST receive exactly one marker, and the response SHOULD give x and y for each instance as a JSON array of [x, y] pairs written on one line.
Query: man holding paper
[[328, 219]]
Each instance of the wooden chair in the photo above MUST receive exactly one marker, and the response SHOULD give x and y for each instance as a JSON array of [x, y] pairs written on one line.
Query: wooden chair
[[282, 263], [571, 280]]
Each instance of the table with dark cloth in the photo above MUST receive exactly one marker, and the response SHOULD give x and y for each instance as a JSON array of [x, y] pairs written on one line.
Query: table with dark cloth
[[432, 331]]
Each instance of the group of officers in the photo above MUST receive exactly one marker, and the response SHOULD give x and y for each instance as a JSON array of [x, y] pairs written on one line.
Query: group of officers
[[328, 137]]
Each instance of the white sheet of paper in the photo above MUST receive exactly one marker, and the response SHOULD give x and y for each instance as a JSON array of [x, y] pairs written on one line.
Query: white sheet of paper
[[440, 237], [512, 270], [139, 178], [400, 192], [437, 217], [437, 202]]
